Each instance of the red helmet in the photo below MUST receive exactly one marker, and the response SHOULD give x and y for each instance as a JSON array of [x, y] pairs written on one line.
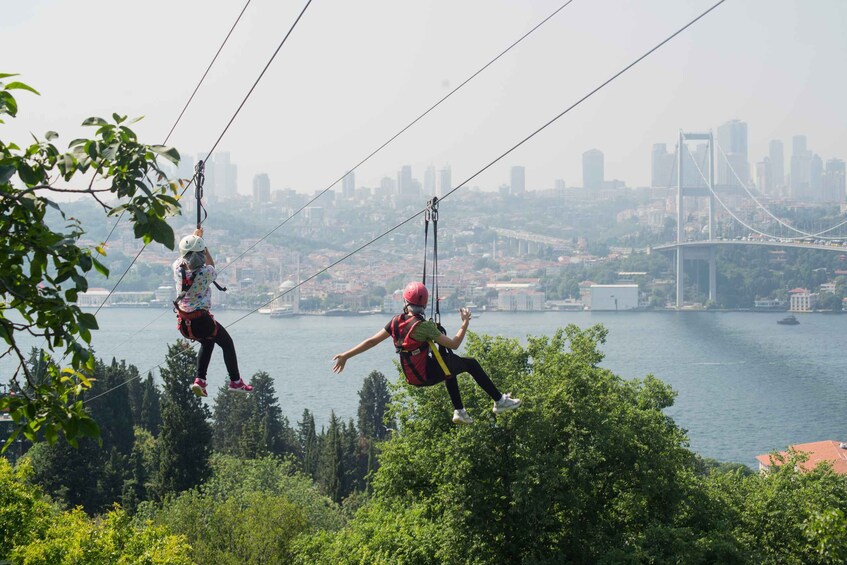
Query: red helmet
[[416, 294]]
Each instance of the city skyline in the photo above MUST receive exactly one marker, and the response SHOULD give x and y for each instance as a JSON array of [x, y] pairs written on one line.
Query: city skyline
[[305, 132]]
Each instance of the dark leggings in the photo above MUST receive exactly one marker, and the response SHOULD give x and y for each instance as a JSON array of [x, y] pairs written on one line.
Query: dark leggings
[[457, 365], [207, 345]]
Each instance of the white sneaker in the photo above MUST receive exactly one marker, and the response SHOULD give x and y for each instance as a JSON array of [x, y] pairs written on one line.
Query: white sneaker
[[505, 403], [461, 417]]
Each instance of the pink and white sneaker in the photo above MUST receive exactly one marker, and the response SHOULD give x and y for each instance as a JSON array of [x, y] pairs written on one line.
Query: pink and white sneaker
[[239, 386], [199, 387]]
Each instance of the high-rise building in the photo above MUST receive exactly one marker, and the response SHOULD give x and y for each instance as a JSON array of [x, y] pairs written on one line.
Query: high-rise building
[[695, 166], [592, 169], [764, 176], [444, 181], [261, 189], [663, 167], [734, 170], [429, 187], [223, 180], [834, 181], [518, 180], [816, 177], [801, 168], [777, 164], [348, 186]]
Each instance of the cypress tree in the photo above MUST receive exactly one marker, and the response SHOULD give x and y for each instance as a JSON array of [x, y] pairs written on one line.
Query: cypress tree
[[307, 437], [373, 401], [331, 463], [185, 440], [150, 417]]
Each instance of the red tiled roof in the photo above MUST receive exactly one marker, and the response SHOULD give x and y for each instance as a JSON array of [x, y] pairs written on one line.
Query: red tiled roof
[[818, 452], [798, 290]]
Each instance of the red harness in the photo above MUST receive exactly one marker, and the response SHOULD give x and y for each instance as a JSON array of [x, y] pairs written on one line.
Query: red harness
[[413, 353]]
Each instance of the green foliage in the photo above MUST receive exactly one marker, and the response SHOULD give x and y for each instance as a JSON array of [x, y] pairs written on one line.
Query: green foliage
[[590, 469], [24, 515], [373, 401], [75, 538], [252, 425], [787, 515], [185, 441], [249, 512], [42, 270]]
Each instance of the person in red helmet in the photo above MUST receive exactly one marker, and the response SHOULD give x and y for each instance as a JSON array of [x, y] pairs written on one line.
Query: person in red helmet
[[423, 365], [194, 273]]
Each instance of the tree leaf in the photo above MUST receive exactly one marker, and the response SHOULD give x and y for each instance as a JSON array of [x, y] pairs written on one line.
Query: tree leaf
[[21, 86], [169, 153], [51, 135], [95, 121]]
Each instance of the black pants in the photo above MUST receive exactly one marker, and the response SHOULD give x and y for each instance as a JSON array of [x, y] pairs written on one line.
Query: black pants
[[205, 326], [457, 365]]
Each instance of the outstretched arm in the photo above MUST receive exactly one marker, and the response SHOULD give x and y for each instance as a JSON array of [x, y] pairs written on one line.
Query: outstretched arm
[[342, 358], [455, 342]]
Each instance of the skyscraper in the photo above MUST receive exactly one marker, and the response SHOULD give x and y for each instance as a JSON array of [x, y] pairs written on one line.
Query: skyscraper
[[518, 180], [444, 181], [592, 169], [834, 181], [777, 164], [261, 189], [801, 168], [224, 179], [429, 182], [816, 177], [348, 185], [732, 138], [663, 167], [764, 176]]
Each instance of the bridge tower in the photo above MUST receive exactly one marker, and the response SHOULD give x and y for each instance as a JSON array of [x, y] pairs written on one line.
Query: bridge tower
[[703, 253]]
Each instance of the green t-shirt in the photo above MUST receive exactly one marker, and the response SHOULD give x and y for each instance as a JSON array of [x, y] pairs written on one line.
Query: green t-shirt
[[425, 331]]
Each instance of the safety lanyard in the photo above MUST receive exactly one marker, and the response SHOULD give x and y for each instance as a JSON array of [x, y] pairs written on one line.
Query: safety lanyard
[[431, 215]]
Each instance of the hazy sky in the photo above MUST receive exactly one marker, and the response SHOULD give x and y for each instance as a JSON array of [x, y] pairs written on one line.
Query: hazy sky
[[354, 72]]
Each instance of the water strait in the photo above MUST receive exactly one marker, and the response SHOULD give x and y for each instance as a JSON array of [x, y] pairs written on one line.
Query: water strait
[[745, 384]]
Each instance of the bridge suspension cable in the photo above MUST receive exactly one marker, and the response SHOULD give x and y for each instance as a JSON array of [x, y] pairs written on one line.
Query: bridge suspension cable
[[463, 183], [767, 211], [724, 206]]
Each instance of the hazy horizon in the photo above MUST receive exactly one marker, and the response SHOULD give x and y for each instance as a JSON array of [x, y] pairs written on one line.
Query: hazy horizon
[[352, 74]]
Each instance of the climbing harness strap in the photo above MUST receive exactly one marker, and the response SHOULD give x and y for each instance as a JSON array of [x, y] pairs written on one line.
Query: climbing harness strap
[[431, 215]]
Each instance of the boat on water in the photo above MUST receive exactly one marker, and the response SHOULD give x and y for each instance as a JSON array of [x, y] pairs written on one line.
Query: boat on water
[[281, 313], [788, 321]]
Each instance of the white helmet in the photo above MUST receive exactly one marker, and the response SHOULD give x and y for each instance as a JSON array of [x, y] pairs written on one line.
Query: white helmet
[[191, 243]]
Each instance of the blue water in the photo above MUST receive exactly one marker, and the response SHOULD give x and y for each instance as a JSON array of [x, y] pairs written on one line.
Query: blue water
[[745, 384]]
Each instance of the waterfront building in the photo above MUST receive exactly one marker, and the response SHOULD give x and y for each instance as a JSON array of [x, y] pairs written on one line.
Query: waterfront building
[[614, 297], [801, 300], [829, 451], [516, 300]]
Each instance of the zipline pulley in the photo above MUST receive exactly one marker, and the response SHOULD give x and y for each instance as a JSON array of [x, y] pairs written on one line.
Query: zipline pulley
[[199, 179], [431, 215]]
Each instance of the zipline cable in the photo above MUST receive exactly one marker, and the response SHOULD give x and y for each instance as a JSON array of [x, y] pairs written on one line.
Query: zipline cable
[[214, 146], [501, 156], [380, 148], [190, 98], [402, 130], [466, 181]]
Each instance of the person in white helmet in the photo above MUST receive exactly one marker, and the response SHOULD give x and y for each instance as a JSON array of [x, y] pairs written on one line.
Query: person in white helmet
[[422, 363], [194, 273]]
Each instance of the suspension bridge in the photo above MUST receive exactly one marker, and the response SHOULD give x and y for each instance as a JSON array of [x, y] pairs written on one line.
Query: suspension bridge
[[705, 250]]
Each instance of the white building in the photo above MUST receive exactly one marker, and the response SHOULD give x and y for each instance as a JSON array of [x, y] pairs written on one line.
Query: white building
[[520, 300], [614, 297], [802, 300]]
